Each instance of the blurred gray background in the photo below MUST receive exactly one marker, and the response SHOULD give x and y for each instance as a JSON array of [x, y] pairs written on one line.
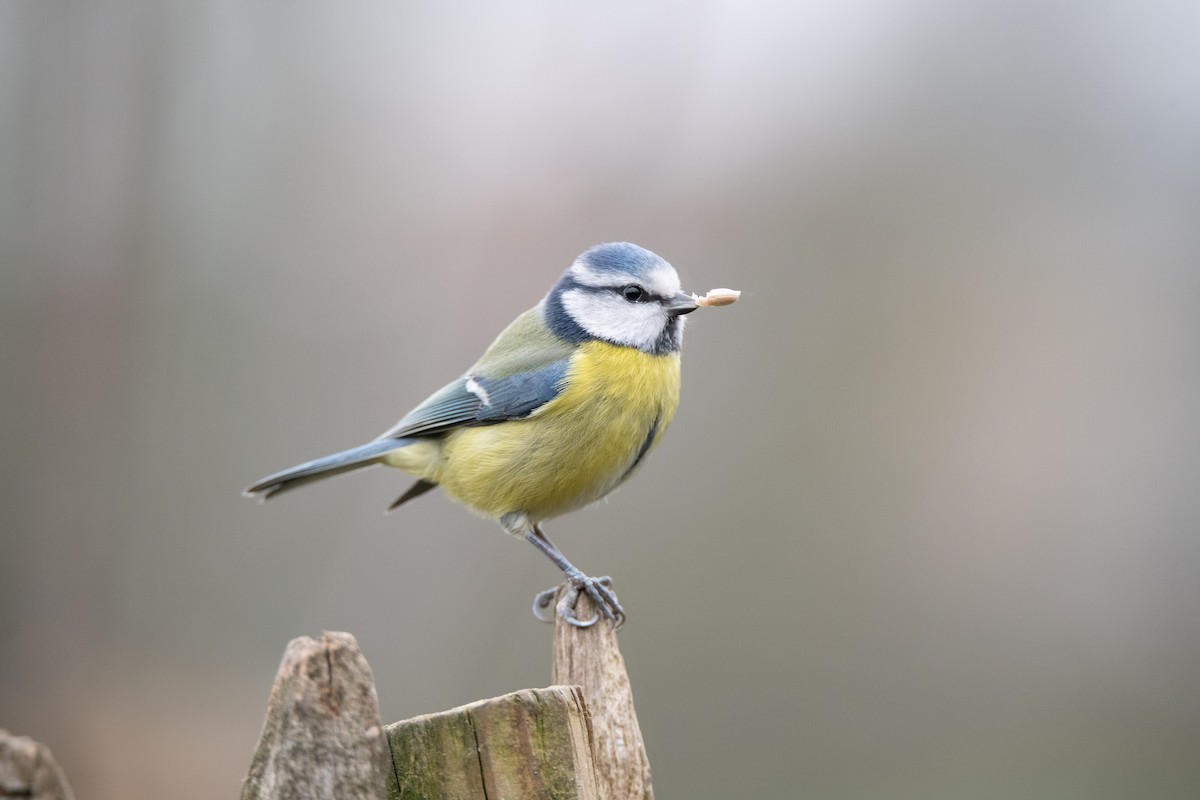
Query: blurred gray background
[[925, 526]]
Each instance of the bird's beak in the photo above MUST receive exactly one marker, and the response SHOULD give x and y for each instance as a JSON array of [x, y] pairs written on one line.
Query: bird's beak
[[680, 304]]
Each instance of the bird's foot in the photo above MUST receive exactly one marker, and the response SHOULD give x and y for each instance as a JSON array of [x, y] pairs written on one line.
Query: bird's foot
[[600, 590]]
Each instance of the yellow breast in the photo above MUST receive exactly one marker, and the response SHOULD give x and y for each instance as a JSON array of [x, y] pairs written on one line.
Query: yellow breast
[[575, 449]]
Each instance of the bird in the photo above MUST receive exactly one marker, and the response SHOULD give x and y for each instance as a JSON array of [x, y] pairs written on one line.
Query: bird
[[560, 410]]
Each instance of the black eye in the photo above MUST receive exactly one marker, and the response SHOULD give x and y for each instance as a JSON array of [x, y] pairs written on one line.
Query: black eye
[[633, 293]]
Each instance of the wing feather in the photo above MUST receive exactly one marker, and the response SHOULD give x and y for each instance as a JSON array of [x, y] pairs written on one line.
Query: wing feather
[[525, 368], [492, 400]]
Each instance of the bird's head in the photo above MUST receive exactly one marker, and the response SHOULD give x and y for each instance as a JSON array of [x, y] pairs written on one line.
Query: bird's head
[[623, 294]]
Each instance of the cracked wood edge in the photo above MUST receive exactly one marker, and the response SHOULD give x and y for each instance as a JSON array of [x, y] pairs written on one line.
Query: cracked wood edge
[[322, 735], [534, 744]]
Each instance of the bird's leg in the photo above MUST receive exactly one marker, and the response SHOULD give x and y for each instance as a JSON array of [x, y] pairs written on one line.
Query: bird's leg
[[599, 589]]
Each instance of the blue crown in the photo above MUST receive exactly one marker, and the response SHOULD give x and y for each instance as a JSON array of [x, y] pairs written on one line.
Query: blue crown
[[621, 257]]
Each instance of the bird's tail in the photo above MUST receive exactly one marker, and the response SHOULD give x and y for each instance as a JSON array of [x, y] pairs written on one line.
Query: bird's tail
[[366, 455]]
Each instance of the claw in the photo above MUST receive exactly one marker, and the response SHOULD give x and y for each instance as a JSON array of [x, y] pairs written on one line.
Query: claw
[[599, 590], [542, 601], [566, 607]]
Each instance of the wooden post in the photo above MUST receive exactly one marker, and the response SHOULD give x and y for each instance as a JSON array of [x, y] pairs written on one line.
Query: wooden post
[[532, 745], [28, 770], [581, 741], [590, 658], [323, 736]]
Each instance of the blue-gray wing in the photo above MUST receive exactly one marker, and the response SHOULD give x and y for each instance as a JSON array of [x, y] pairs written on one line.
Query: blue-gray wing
[[479, 400]]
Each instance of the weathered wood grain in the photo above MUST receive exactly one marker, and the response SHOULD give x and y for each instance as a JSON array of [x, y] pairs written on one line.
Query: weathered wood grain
[[28, 770], [323, 736], [529, 745], [590, 658]]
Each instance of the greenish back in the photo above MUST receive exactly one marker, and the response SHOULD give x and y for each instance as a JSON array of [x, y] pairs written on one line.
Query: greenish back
[[525, 345]]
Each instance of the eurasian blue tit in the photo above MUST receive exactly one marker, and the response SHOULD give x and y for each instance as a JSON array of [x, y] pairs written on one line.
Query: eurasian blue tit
[[561, 409]]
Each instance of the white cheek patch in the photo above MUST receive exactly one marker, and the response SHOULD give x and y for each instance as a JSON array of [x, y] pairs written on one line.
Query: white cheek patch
[[607, 315]]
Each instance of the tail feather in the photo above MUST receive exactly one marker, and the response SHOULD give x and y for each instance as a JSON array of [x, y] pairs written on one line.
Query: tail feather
[[366, 455]]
